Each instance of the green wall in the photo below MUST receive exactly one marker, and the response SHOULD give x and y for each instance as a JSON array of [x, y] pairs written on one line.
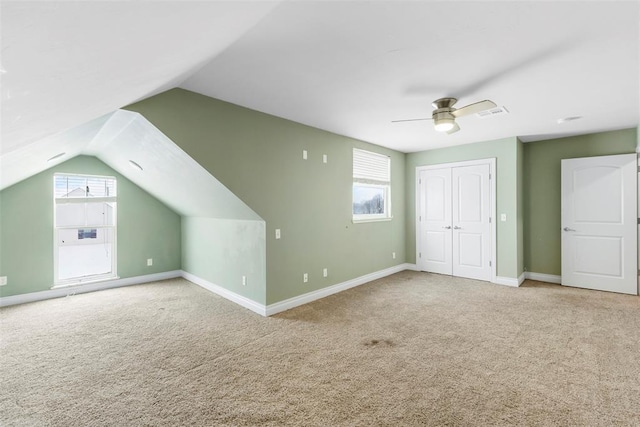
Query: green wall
[[259, 158], [221, 251], [509, 245], [542, 190], [146, 229]]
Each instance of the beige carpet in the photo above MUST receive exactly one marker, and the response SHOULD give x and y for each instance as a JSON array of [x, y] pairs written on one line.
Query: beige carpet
[[410, 349]]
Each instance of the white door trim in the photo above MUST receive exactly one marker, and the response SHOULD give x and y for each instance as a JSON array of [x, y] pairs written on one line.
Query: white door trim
[[492, 190]]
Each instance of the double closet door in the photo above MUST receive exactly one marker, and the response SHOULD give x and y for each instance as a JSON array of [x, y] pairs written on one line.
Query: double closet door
[[454, 220]]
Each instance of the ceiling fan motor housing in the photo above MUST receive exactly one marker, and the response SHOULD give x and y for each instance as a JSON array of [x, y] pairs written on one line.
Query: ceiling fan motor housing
[[444, 103], [443, 118]]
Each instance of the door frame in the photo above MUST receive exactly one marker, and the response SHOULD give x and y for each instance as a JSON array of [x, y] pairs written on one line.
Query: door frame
[[492, 203]]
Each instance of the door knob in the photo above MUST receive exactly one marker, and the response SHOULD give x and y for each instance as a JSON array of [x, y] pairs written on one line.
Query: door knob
[[448, 227], [457, 228], [568, 229]]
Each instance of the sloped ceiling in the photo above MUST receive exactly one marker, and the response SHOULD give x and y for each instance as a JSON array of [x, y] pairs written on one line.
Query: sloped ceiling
[[122, 136], [168, 173], [65, 63], [349, 67]]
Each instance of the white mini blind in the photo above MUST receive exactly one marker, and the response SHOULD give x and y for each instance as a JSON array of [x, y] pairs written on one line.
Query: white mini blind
[[83, 186], [369, 166]]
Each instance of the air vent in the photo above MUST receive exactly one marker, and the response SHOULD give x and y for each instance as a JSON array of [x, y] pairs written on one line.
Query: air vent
[[492, 112]]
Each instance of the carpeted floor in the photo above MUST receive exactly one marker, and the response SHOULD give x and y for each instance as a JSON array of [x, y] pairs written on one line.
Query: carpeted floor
[[410, 349]]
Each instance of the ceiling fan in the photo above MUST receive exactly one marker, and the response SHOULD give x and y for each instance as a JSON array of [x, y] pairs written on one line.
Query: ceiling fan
[[444, 116]]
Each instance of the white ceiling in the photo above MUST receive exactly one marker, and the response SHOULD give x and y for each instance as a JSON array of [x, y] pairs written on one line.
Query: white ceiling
[[67, 62], [353, 67], [349, 67]]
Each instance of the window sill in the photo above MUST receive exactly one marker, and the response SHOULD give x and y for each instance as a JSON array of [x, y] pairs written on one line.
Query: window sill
[[360, 221], [85, 282]]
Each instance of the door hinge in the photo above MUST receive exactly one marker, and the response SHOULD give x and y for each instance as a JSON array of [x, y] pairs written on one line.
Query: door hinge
[[419, 254], [489, 220], [489, 176], [420, 181], [489, 263], [420, 218]]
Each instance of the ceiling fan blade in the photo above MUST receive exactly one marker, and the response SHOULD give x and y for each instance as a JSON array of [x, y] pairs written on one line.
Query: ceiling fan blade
[[454, 129], [474, 108], [410, 120]]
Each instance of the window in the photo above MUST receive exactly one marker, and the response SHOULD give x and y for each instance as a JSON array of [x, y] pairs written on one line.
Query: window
[[85, 228], [371, 186]]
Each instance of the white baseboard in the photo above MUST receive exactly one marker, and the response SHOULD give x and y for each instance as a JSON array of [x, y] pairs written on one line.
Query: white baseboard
[[88, 287], [219, 290], [412, 267], [226, 293], [290, 303], [542, 277], [509, 281], [295, 301]]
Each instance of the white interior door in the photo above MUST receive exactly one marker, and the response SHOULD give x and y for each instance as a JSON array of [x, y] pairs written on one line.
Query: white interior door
[[455, 233], [471, 222], [599, 219], [435, 222]]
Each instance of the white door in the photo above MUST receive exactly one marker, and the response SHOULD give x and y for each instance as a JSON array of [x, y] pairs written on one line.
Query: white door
[[599, 218], [454, 224], [435, 225], [471, 222]]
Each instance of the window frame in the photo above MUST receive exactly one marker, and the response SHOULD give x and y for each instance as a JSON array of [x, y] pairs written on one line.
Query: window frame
[[112, 229], [372, 182]]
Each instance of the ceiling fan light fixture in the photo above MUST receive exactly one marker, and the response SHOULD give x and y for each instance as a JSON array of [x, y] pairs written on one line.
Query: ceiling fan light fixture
[[443, 121]]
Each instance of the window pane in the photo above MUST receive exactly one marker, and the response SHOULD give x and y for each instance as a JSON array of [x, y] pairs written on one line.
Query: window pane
[[100, 213], [86, 256], [79, 186], [368, 200], [101, 187], [69, 214]]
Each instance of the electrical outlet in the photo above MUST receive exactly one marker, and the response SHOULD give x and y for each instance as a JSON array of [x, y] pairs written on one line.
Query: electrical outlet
[[305, 277], [304, 154], [324, 158], [3, 280], [325, 272], [503, 217], [149, 262], [277, 233], [393, 255], [244, 280]]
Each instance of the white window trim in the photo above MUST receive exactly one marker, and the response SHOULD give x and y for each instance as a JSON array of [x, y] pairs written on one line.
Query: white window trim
[[367, 181], [62, 200]]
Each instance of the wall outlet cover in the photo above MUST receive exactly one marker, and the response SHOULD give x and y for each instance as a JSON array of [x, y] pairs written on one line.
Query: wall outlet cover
[[305, 277], [3, 280], [149, 262]]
